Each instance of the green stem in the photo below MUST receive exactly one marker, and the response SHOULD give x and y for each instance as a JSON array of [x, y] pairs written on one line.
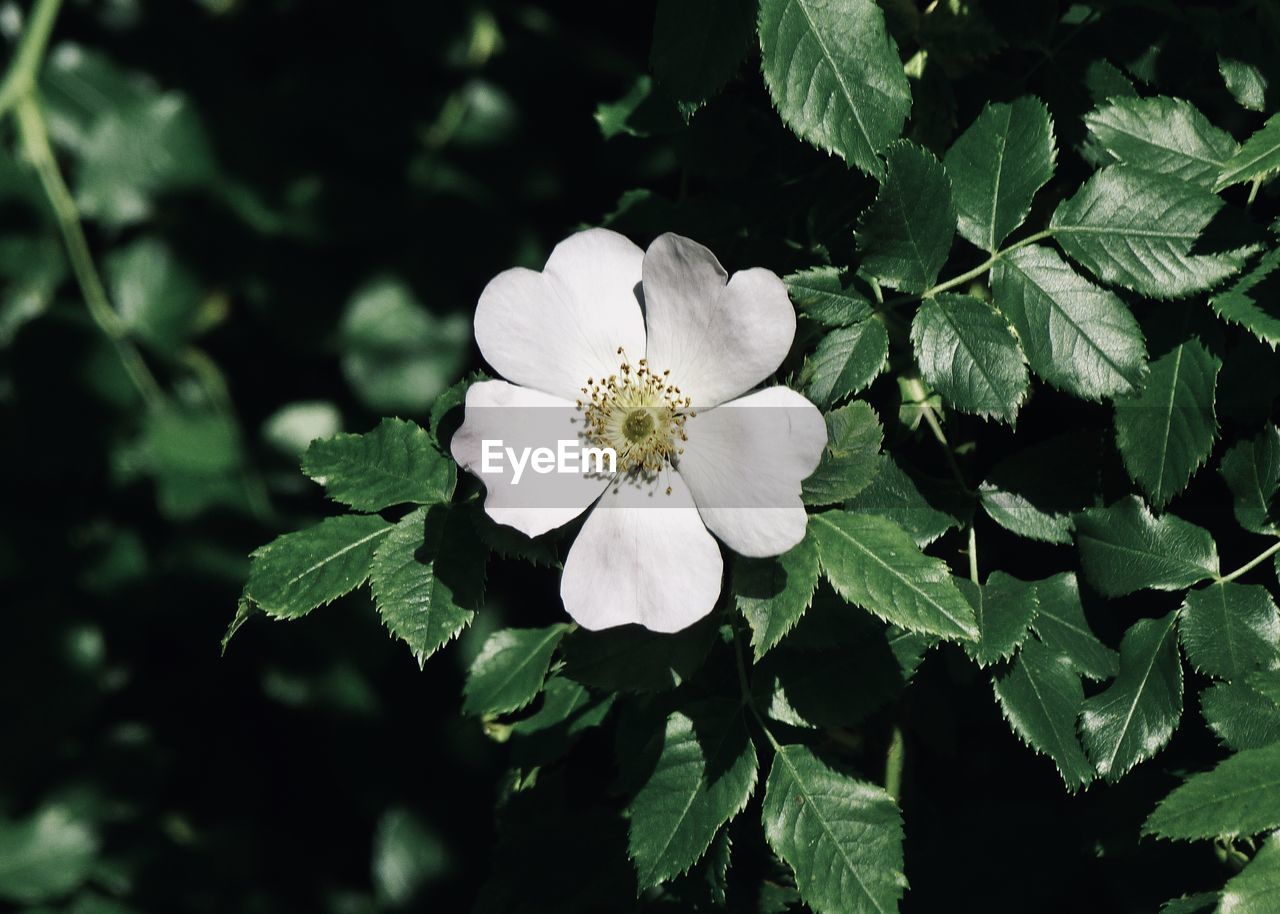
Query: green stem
[[1251, 564], [745, 686], [20, 80], [915, 387], [893, 762], [35, 142], [980, 270], [973, 555]]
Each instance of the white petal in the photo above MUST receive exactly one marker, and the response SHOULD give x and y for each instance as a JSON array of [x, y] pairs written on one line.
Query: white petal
[[642, 556], [520, 418], [744, 463], [553, 330], [719, 340]]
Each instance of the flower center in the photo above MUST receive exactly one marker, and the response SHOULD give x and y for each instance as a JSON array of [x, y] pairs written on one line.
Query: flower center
[[637, 412]]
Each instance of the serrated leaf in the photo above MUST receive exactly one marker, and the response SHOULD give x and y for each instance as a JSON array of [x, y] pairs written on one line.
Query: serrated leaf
[[704, 775], [1004, 608], [1166, 431], [828, 296], [894, 495], [510, 543], [1035, 492], [1239, 797], [697, 46], [873, 563], [773, 593], [905, 235], [1060, 623], [1134, 717], [967, 352], [453, 398], [1256, 888], [1251, 470], [1252, 301], [428, 578], [846, 361], [850, 461], [1041, 697], [299, 571], [1229, 630], [834, 76], [841, 837], [1162, 134], [1240, 715], [1259, 156], [393, 464], [1078, 337], [996, 167], [1245, 82], [633, 659], [509, 671], [1200, 903], [1135, 229], [1125, 547], [45, 856]]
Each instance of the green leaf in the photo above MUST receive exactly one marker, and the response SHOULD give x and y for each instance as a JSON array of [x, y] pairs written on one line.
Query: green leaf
[[1165, 135], [428, 578], [1135, 229], [1245, 82], [1135, 716], [1252, 301], [407, 855], [1060, 623], [873, 563], [996, 167], [1078, 337], [1240, 715], [453, 398], [851, 459], [1004, 608], [841, 837], [393, 464], [44, 856], [1256, 888], [704, 775], [291, 429], [698, 45], [1239, 797], [894, 495], [834, 76], [905, 235], [1229, 630], [156, 296], [1251, 470], [1035, 492], [1200, 903], [846, 361], [1041, 697], [633, 659], [1166, 431], [299, 571], [828, 296], [773, 593], [1125, 548], [1258, 157], [967, 352], [396, 355], [509, 671]]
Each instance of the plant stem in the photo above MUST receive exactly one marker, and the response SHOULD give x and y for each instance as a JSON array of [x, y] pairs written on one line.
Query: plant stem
[[973, 555], [977, 271], [35, 141], [894, 759], [1251, 564], [20, 80], [745, 686], [916, 388]]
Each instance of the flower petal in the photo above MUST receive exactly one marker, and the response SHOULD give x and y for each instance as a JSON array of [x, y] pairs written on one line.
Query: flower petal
[[519, 418], [719, 340], [744, 463], [642, 556], [552, 330]]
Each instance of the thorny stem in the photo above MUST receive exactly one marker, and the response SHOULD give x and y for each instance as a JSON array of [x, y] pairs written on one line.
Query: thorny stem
[[1251, 564], [35, 142]]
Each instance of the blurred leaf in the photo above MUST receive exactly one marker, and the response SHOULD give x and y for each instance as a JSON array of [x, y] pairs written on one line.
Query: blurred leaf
[[407, 856], [292, 427], [31, 269], [397, 356], [157, 298], [44, 856]]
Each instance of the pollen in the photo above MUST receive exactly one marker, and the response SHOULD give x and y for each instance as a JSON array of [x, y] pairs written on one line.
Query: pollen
[[639, 413]]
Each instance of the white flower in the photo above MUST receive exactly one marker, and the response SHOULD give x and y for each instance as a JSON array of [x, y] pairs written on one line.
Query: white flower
[[648, 352]]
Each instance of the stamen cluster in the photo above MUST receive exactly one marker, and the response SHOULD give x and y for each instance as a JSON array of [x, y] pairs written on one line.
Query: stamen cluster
[[637, 412]]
